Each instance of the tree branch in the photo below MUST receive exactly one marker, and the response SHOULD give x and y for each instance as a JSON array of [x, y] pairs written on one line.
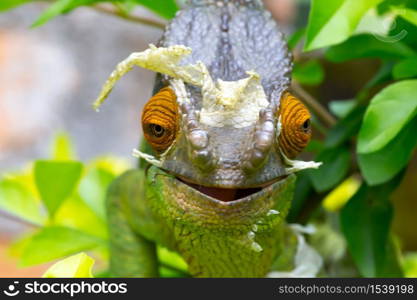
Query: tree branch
[[136, 19], [117, 13], [10, 217], [314, 104]]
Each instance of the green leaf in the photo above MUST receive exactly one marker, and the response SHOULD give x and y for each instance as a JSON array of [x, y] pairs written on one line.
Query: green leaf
[[332, 22], [56, 242], [389, 111], [367, 46], [126, 7], [365, 223], [9, 4], [93, 189], [75, 266], [165, 8], [171, 259], [16, 199], [342, 108], [405, 30], [381, 166], [376, 24], [17, 247], [56, 181], [74, 213], [408, 14], [304, 190], [410, 265], [405, 69], [392, 266], [62, 148], [295, 38], [336, 163], [310, 73], [63, 6], [393, 5], [54, 10], [167, 272]]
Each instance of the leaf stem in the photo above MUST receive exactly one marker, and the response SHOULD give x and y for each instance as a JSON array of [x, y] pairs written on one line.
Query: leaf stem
[[136, 19]]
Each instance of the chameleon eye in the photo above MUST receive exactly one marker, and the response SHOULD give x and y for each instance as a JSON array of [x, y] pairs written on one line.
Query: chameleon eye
[[296, 125], [160, 120]]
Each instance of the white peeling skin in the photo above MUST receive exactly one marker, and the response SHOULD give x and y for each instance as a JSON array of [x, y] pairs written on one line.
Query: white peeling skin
[[225, 103], [149, 158], [272, 212], [180, 91], [295, 165], [279, 127], [307, 261], [162, 60], [167, 61], [298, 165], [234, 103]]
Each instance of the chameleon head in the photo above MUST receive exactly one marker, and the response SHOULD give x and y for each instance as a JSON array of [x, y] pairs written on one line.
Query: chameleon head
[[225, 139], [221, 150], [221, 120]]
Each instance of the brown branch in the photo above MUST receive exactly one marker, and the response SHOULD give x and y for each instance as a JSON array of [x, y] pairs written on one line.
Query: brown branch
[[117, 13], [136, 19], [315, 105]]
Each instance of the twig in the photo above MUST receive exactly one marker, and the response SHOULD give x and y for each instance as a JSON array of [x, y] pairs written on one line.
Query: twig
[[136, 19], [10, 217], [120, 14], [315, 105]]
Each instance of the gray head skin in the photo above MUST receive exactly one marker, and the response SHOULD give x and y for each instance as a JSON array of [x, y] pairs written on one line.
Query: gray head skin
[[230, 37]]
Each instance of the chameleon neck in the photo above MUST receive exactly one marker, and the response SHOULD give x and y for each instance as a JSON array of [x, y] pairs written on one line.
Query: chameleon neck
[[235, 239]]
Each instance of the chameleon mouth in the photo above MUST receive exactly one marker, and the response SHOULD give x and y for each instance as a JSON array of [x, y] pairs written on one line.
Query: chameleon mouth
[[227, 194]]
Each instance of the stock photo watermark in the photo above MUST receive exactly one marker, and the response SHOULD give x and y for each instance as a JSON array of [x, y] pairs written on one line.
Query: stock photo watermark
[[388, 25], [64, 288]]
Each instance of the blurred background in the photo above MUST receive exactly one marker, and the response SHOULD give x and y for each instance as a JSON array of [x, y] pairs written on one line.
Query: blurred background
[[50, 75]]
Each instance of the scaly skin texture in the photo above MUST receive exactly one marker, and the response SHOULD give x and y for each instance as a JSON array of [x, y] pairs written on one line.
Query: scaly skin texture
[[246, 237], [217, 239]]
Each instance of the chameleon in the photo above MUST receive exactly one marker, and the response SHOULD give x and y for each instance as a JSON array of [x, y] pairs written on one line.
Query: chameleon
[[217, 165]]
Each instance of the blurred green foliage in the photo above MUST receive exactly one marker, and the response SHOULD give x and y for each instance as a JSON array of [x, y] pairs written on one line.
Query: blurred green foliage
[[365, 152], [63, 200], [76, 266], [377, 125], [163, 8], [332, 22], [48, 196]]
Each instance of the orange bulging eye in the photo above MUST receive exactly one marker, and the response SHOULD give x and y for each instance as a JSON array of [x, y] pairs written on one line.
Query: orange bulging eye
[[296, 125], [160, 119]]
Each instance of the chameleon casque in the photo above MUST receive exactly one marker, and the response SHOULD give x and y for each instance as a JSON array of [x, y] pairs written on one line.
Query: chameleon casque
[[216, 176]]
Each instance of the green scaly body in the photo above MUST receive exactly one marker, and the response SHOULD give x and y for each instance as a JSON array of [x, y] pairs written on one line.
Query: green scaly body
[[216, 239]]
